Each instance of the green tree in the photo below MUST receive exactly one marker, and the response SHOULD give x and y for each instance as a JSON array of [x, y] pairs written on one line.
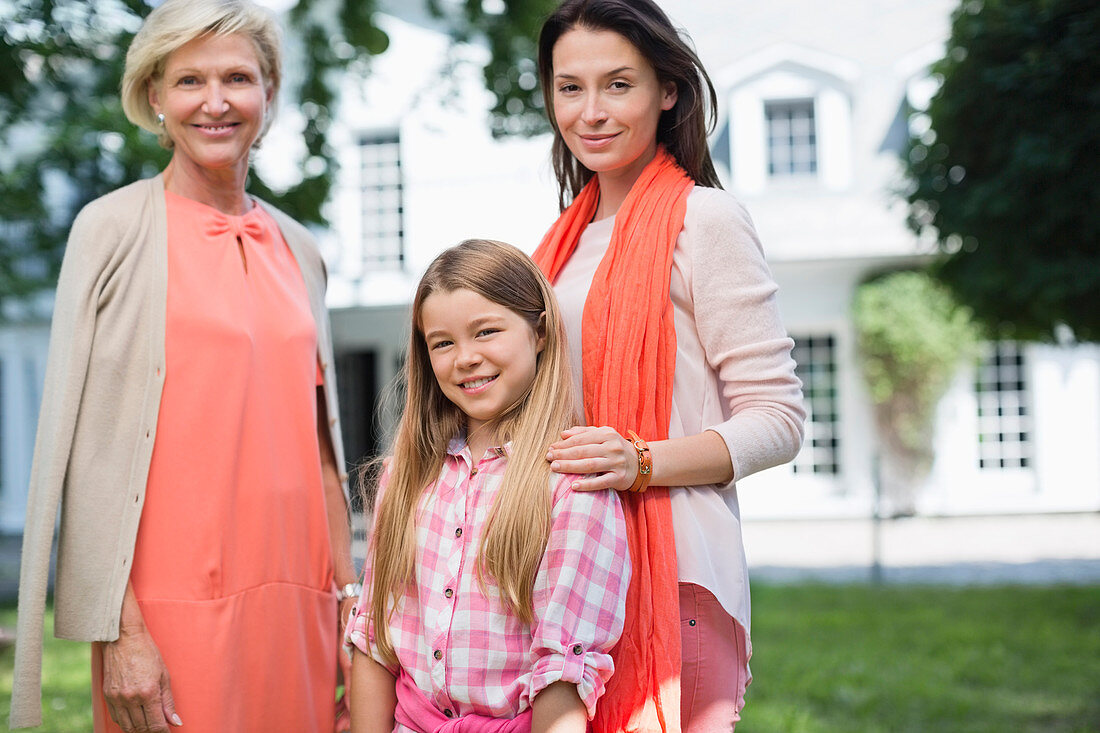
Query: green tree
[[912, 336], [1004, 177], [510, 29], [65, 141]]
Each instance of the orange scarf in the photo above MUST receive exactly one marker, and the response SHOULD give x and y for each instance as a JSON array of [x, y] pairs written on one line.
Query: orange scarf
[[628, 356]]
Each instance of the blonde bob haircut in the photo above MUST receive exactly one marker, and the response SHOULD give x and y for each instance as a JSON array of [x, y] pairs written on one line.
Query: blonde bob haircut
[[174, 23], [519, 522]]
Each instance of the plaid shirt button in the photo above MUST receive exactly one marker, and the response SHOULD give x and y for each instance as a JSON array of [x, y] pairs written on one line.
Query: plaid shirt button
[[584, 579], [448, 592]]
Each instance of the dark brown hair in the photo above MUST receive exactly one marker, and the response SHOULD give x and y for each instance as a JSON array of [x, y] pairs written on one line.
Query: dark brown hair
[[682, 129]]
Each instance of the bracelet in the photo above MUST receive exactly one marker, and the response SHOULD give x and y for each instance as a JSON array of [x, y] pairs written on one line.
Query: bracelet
[[351, 590], [645, 463]]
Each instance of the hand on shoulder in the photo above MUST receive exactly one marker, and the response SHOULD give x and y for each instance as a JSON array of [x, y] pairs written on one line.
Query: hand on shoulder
[[605, 459]]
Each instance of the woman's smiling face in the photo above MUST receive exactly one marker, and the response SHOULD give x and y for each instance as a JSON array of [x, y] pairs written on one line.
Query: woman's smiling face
[[213, 97], [607, 101]]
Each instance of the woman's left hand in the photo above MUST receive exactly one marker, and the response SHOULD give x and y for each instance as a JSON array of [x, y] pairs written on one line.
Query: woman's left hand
[[605, 458]]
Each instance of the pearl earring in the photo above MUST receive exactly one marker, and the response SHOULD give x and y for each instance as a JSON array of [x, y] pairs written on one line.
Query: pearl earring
[[160, 119]]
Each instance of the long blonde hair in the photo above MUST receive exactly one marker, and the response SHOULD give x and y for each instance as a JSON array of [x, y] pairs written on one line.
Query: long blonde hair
[[519, 523]]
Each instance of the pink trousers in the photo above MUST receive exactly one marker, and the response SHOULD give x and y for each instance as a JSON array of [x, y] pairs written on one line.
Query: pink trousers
[[715, 670]]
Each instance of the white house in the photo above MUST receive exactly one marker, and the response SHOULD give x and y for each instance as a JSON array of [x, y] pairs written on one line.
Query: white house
[[814, 102], [814, 107]]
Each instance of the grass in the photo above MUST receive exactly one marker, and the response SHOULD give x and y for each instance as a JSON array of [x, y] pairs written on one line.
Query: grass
[[851, 659], [863, 659], [66, 681]]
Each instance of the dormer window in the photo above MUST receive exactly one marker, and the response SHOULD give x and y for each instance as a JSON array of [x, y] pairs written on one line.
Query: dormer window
[[788, 121], [792, 138]]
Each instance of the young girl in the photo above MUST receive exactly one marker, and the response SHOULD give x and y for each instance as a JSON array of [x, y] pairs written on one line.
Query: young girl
[[674, 328], [493, 593]]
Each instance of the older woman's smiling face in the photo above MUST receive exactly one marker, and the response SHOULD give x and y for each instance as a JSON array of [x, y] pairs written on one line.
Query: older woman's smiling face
[[213, 97]]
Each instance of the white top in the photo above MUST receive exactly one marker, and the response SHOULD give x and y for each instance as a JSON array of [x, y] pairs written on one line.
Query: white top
[[734, 375]]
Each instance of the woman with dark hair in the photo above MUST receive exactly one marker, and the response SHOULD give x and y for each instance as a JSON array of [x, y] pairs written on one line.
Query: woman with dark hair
[[686, 371]]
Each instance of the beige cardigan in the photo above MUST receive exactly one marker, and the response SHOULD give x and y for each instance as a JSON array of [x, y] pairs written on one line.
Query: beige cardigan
[[97, 426]]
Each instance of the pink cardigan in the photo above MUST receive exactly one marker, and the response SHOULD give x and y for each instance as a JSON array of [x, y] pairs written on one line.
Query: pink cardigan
[[734, 375]]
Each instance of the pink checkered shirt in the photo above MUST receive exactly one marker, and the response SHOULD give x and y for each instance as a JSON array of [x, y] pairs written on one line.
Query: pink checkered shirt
[[463, 647]]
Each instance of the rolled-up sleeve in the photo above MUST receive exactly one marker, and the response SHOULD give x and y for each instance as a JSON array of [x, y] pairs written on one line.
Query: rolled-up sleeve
[[738, 322], [580, 593], [359, 632]]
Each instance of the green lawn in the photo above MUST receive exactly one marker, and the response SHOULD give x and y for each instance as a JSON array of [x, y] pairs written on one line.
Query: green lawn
[[66, 681], [849, 659], [860, 659]]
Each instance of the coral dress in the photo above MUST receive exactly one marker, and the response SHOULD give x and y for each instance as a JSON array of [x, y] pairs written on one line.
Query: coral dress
[[233, 568]]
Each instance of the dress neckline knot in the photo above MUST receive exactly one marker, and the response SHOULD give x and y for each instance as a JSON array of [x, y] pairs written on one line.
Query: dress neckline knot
[[218, 224]]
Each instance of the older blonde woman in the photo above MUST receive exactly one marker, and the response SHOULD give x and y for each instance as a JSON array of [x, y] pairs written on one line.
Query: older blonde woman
[[188, 425]]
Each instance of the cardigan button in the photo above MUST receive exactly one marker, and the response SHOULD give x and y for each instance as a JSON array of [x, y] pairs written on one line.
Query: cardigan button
[[449, 713]]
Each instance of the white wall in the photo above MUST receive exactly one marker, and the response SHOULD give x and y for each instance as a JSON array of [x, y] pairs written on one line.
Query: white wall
[[822, 236], [815, 299], [458, 181], [1064, 387], [22, 366]]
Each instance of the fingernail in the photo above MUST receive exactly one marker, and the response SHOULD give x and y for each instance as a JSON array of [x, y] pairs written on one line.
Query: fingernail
[[549, 455], [554, 466], [574, 485], [176, 719]]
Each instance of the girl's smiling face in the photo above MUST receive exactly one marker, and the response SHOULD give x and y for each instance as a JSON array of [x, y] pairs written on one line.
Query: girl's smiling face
[[607, 101], [483, 355]]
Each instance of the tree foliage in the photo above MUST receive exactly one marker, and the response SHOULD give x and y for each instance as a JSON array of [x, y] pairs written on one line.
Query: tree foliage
[[65, 141], [1005, 175], [913, 336], [510, 28]]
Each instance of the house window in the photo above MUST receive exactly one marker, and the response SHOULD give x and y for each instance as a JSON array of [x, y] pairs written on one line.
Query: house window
[[383, 204], [792, 138], [815, 359], [1004, 419]]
